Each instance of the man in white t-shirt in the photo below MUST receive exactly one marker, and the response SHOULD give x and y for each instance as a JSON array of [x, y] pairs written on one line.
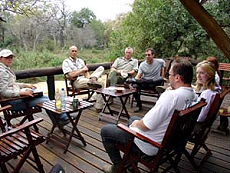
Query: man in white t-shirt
[[155, 123]]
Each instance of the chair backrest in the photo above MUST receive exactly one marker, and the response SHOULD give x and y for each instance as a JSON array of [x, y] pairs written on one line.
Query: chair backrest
[[214, 109], [9, 114], [177, 134], [224, 68], [19, 141], [181, 126], [70, 90]]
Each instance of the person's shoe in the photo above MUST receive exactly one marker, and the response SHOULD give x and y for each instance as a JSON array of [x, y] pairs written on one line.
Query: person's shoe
[[138, 109], [98, 110], [130, 80], [111, 169]]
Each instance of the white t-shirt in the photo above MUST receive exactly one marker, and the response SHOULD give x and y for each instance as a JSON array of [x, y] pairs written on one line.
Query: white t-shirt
[[158, 118], [209, 96]]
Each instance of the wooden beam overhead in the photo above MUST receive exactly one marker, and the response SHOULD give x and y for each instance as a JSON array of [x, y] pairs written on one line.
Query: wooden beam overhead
[[209, 24]]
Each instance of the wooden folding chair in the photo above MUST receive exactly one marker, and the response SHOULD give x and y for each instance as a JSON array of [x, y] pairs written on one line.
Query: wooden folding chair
[[25, 114], [224, 79], [150, 93], [19, 142], [172, 146], [202, 129], [72, 91]]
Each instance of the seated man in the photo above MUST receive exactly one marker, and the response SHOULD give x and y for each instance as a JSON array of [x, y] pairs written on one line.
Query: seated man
[[156, 121], [148, 76], [9, 88], [74, 68], [123, 67]]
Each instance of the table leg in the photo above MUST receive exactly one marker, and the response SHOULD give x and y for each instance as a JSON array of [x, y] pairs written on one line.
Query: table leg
[[74, 122], [106, 104], [223, 126], [50, 133], [123, 103]]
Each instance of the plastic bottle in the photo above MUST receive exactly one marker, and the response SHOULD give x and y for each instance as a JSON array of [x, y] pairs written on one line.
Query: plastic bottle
[[58, 103], [63, 98]]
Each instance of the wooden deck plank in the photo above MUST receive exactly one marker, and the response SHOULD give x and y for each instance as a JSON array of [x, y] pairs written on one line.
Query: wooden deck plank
[[91, 158]]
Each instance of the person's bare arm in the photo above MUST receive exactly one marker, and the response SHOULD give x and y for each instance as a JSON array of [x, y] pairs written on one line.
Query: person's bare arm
[[138, 76], [74, 74], [114, 69], [132, 72], [140, 125], [163, 71], [28, 92]]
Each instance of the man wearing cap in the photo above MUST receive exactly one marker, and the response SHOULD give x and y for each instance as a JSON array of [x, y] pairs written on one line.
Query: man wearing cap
[[123, 67], [10, 88]]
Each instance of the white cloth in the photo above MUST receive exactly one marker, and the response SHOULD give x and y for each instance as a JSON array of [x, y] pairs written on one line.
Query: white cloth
[[158, 118], [217, 79], [209, 96]]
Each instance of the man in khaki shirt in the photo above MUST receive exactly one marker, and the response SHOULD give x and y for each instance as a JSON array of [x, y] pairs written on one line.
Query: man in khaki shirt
[[123, 67]]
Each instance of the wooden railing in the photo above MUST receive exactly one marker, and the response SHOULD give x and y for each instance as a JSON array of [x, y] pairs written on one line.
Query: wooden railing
[[50, 73]]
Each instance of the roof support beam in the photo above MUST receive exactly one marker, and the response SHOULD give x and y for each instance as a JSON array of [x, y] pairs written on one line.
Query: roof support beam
[[209, 24]]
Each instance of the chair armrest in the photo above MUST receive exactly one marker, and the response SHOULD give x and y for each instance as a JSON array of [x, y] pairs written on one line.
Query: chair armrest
[[5, 108], [21, 127], [3, 99], [139, 136]]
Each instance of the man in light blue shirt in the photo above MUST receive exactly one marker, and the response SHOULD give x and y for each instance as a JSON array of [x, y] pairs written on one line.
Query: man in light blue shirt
[[149, 75]]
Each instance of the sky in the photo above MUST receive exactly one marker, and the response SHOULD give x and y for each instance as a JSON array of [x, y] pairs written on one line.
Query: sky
[[103, 9]]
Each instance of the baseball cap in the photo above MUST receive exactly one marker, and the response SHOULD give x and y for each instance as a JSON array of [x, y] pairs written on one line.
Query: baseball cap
[[5, 53]]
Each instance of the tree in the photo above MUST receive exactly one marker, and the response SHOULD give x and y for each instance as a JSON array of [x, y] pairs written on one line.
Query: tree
[[168, 28], [21, 7], [209, 24], [99, 29], [82, 18]]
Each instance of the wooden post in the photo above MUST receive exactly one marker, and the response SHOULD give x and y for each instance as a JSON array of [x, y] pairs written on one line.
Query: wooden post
[[51, 87]]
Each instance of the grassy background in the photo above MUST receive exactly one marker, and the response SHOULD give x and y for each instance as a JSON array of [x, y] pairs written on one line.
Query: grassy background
[[35, 60]]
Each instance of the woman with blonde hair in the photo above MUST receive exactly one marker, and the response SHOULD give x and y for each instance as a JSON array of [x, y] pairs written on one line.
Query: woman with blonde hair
[[205, 85]]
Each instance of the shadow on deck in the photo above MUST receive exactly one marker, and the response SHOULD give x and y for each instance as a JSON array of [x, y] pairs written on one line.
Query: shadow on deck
[[91, 158]]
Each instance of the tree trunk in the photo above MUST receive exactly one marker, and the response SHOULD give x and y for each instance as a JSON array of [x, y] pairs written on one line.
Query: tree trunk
[[209, 24]]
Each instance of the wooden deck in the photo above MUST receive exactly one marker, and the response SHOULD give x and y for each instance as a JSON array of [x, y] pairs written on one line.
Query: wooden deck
[[90, 159]]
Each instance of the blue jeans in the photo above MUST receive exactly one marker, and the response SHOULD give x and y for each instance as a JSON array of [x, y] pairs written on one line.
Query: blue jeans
[[23, 104], [113, 135]]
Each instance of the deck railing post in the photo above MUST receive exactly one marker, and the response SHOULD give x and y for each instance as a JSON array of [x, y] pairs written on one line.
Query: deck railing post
[[51, 87]]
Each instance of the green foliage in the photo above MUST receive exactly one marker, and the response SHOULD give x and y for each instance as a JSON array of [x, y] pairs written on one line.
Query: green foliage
[[31, 60], [83, 17], [167, 27], [99, 29], [41, 59]]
